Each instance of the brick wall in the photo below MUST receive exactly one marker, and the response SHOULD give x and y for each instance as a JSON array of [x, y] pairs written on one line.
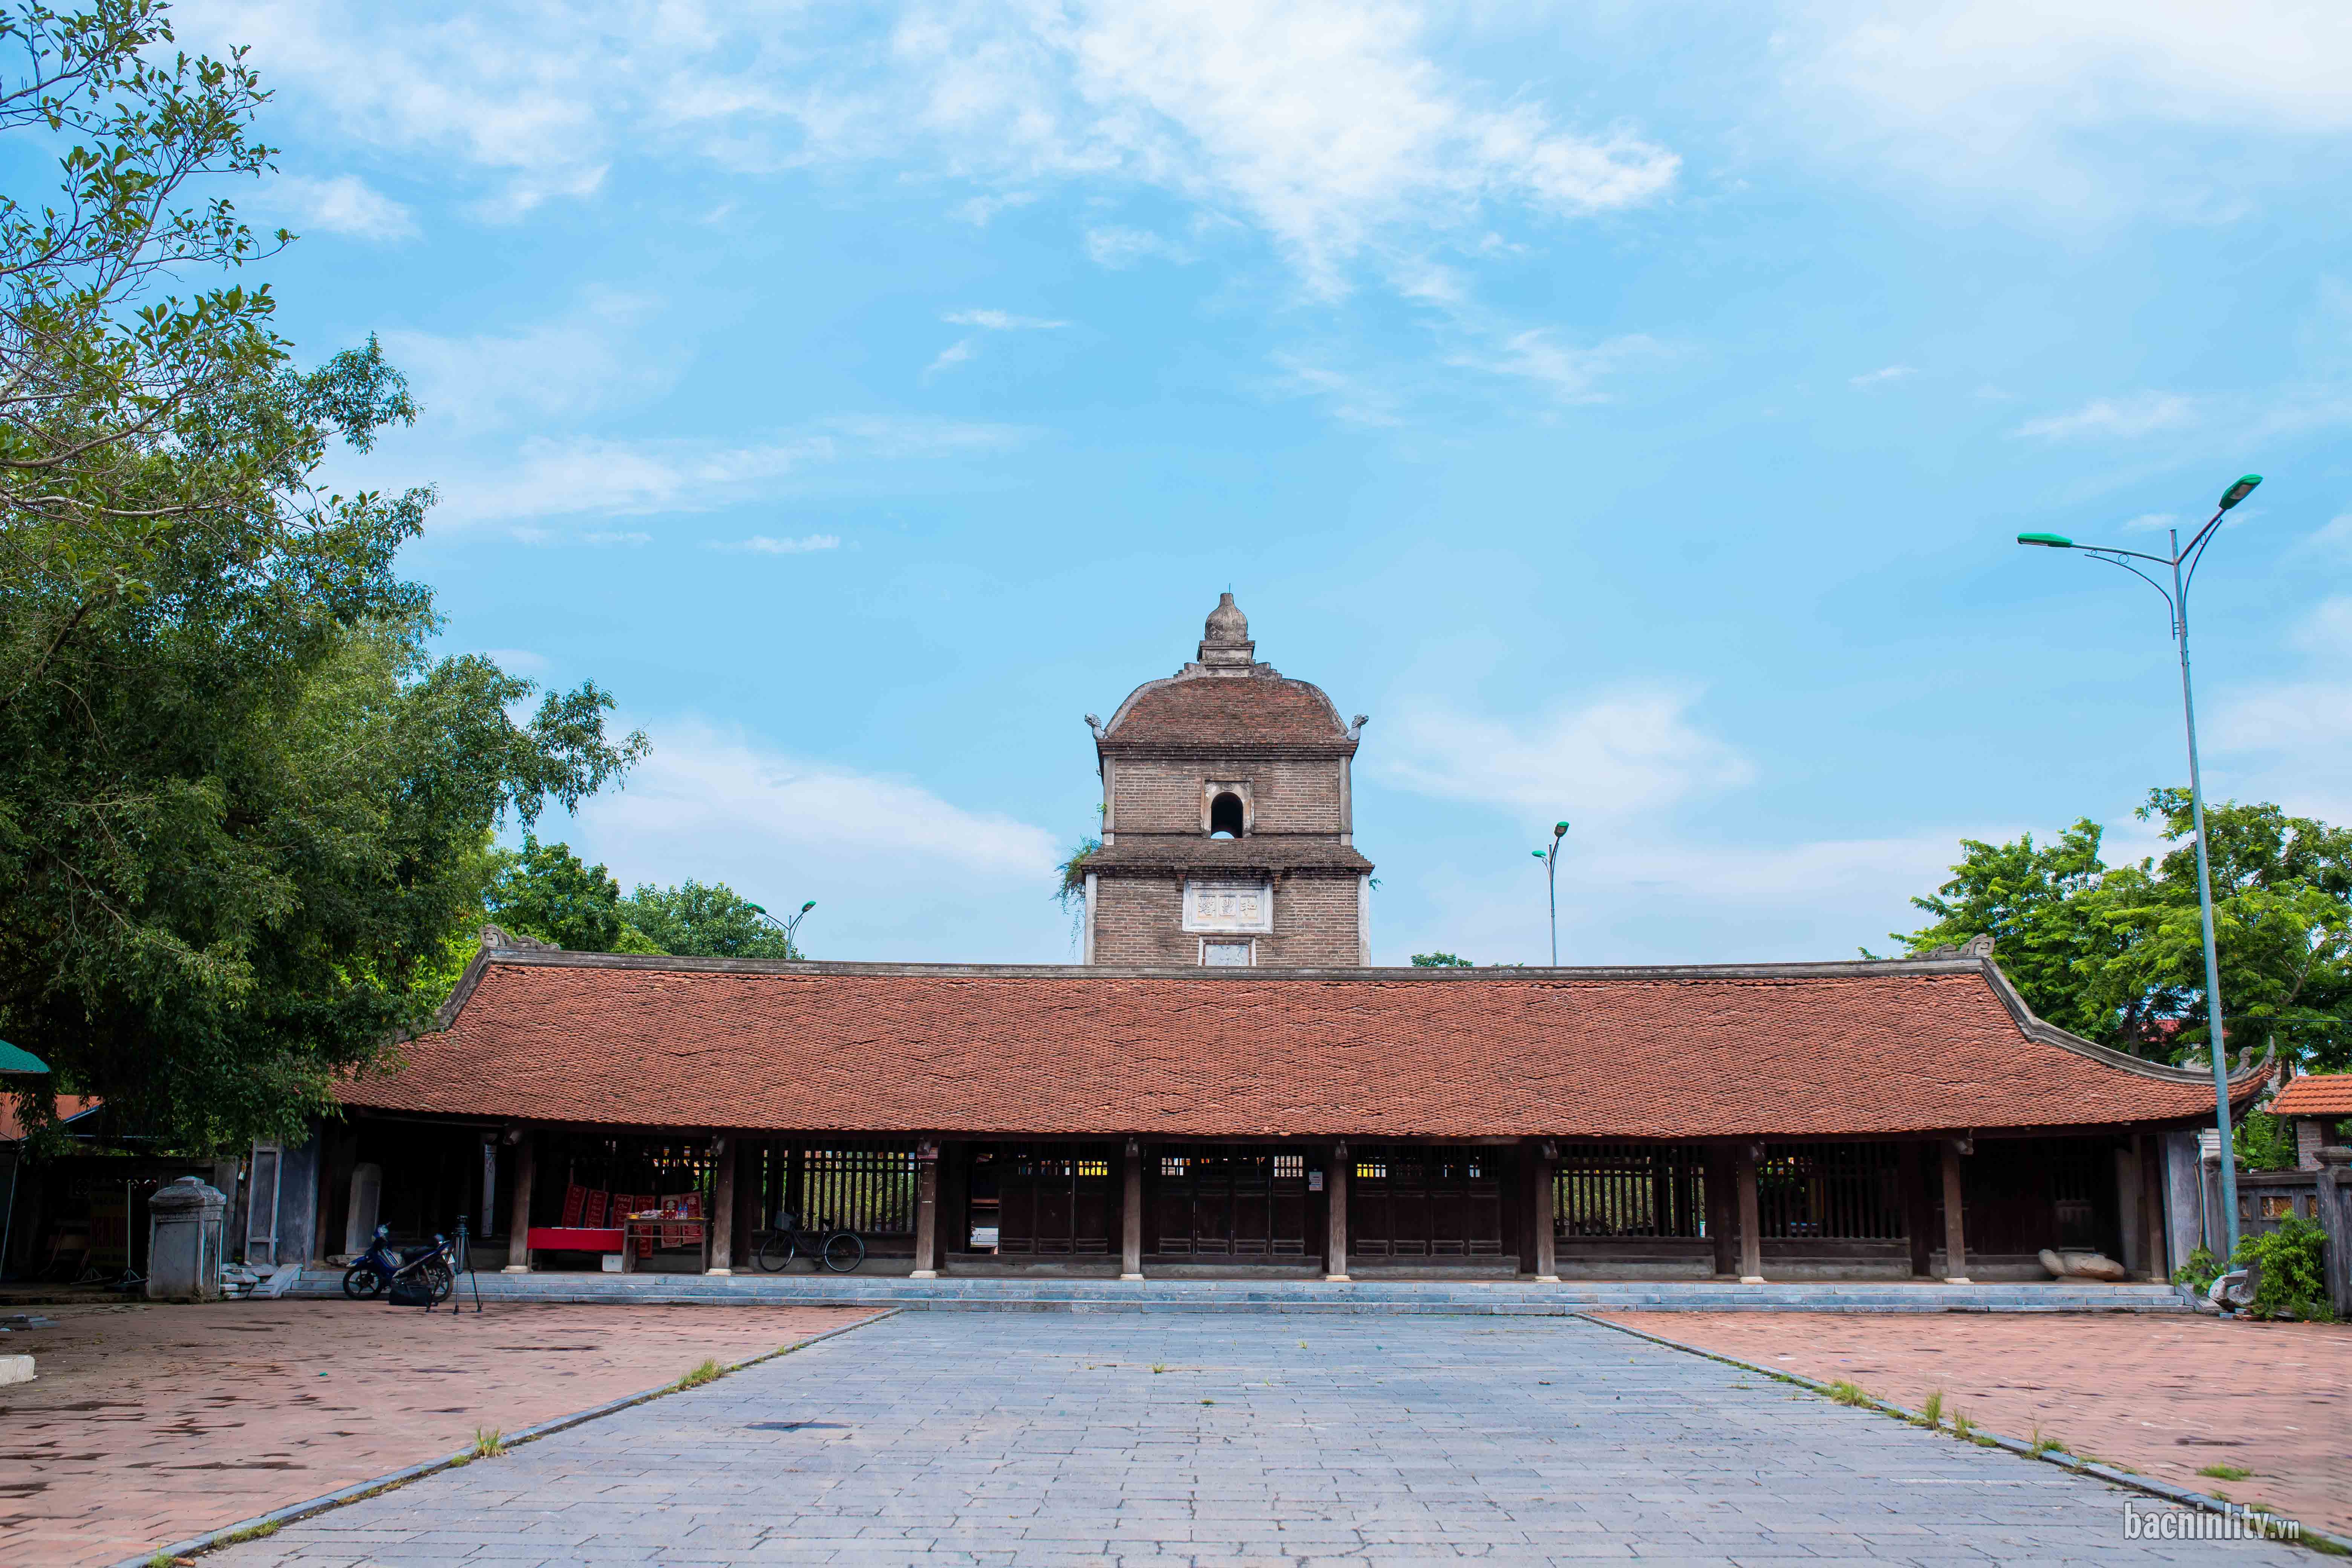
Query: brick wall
[[1289, 795], [1141, 919]]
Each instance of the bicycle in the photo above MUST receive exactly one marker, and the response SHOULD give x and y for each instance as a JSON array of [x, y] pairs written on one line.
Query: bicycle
[[829, 1246]]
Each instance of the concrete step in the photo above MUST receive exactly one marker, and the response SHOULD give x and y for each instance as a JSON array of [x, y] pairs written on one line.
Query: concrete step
[[1496, 1298]]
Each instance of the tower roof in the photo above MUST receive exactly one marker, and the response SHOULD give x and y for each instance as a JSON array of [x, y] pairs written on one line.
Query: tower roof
[[1226, 699]]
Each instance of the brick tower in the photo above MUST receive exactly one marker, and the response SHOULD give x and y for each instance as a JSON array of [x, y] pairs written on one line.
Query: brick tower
[[1227, 820]]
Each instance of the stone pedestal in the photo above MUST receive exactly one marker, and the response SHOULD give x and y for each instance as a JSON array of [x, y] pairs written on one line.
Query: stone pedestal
[[183, 1261]]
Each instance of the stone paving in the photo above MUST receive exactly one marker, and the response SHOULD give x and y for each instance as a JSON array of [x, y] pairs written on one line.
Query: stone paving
[[150, 1424], [2162, 1395], [1048, 1439]]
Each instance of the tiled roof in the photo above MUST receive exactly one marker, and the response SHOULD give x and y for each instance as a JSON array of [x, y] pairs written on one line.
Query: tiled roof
[[11, 1123], [2320, 1094], [1258, 852], [1200, 709], [1795, 1050]]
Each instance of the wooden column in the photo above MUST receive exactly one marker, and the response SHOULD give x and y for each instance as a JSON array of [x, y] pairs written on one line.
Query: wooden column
[[518, 1221], [722, 1207], [1335, 1244], [1722, 1209], [1956, 1249], [927, 1210], [2149, 1147], [1546, 1163], [1131, 1215], [747, 1205], [1751, 1219], [1913, 1171]]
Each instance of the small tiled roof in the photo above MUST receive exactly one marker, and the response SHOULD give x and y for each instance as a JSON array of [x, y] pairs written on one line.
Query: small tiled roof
[[1791, 1050], [69, 1106], [1257, 852], [2319, 1094], [1199, 707]]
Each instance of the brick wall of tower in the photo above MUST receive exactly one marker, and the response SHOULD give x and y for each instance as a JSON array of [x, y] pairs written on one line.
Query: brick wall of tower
[[1286, 795], [1141, 921]]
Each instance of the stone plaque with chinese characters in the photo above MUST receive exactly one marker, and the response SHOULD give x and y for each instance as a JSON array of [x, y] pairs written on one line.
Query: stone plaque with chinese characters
[[1225, 954], [1222, 906]]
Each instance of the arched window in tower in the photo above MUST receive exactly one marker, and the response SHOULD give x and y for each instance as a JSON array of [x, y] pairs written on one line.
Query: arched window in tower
[[1225, 819]]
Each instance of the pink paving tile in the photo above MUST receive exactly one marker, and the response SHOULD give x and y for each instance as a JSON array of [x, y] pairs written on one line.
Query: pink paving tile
[[2162, 1395], [149, 1424]]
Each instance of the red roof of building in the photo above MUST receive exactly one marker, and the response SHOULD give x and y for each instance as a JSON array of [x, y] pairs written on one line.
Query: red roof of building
[[12, 1122], [1794, 1050], [1202, 709], [2319, 1094]]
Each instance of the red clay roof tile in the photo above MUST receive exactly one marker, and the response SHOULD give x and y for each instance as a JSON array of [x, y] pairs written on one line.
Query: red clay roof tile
[[2320, 1094], [1672, 1054]]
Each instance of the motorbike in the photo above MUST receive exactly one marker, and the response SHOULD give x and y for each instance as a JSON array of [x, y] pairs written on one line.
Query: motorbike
[[427, 1265]]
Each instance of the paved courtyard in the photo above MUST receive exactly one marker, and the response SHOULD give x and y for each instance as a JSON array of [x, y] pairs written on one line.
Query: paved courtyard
[[150, 1424], [1058, 1438], [2166, 1395]]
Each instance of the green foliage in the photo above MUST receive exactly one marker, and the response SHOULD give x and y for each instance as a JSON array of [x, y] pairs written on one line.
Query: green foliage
[[2116, 954], [707, 1371], [546, 891], [242, 811], [1440, 961], [1934, 1409], [2263, 1142], [2224, 1472], [2291, 1267], [701, 921], [1070, 884], [2198, 1270], [1846, 1392]]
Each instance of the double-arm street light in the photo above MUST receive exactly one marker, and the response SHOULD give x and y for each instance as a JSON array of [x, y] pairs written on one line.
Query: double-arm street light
[[791, 928], [1550, 857], [2182, 565]]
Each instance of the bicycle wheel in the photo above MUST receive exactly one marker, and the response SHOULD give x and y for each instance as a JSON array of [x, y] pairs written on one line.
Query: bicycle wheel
[[438, 1279], [360, 1281], [844, 1251], [776, 1250]]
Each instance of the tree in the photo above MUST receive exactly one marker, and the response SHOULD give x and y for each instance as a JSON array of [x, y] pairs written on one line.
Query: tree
[[1440, 961], [2116, 954], [700, 920], [242, 812], [544, 890]]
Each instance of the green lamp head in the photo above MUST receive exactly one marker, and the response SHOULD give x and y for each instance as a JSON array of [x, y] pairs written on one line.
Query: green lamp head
[[1539, 854], [807, 907], [2241, 490], [2048, 541], [1558, 829]]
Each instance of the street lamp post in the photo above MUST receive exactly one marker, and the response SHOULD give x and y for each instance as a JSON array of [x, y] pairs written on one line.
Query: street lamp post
[[2182, 564], [1550, 857], [791, 928]]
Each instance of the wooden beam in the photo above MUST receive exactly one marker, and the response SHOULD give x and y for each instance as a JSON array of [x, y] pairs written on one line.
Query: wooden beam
[[927, 1210], [2150, 1149], [1335, 1245], [1751, 1219], [1130, 1215], [1546, 1163], [1956, 1249], [519, 1220], [722, 1207]]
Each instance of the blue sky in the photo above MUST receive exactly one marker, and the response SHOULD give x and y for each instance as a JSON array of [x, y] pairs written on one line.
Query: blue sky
[[1630, 408]]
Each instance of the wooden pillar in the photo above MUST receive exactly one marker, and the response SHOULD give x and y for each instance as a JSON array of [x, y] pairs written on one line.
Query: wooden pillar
[[519, 1221], [722, 1207], [2335, 1206], [1545, 1159], [1722, 1209], [1131, 1215], [1919, 1207], [1335, 1244], [927, 1209], [747, 1205], [2149, 1147], [1751, 1220], [1956, 1250]]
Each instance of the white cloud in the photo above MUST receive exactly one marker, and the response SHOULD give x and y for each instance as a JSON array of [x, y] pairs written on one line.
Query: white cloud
[[2334, 538], [1570, 372], [1117, 247], [954, 354], [1350, 399], [518, 660], [1325, 123], [593, 358], [898, 871], [762, 545], [1000, 321], [2150, 523], [1632, 754], [1882, 376], [2124, 418], [345, 204]]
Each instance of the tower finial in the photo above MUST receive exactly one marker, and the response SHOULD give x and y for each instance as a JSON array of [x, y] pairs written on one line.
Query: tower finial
[[1225, 639]]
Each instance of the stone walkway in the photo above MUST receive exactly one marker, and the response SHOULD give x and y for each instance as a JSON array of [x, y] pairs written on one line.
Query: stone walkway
[[2162, 1395], [1046, 1439], [150, 1424]]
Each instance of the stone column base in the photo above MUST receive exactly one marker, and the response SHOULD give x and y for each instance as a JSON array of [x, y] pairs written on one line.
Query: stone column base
[[719, 1272], [1335, 1280], [1751, 1280], [1136, 1279], [1547, 1278], [516, 1268], [924, 1274], [1957, 1279]]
